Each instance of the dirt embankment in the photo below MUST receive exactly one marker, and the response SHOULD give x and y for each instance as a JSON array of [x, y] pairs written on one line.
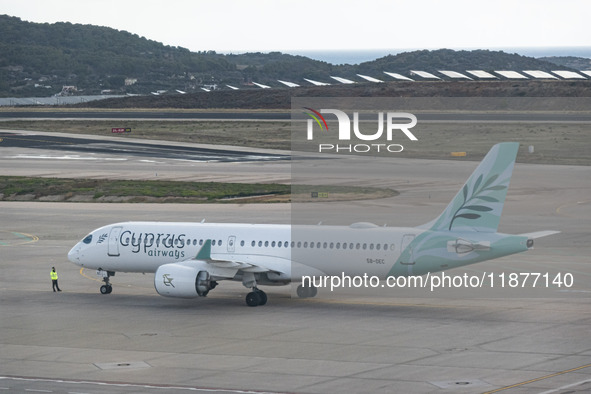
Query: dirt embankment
[[281, 97]]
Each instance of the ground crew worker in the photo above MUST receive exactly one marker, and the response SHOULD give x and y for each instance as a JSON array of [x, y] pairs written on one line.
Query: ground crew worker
[[54, 279]]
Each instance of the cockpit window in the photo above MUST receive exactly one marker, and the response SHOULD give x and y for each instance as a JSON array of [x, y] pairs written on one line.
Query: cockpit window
[[87, 240]]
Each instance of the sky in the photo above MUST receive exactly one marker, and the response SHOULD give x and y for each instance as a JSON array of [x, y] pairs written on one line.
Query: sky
[[237, 26]]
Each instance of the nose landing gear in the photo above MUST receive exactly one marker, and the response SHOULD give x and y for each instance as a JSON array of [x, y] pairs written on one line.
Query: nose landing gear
[[106, 288]]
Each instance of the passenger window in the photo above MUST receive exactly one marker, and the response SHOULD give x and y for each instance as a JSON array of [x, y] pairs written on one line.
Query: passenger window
[[344, 245], [371, 247], [305, 244], [260, 243], [338, 245], [200, 242], [266, 244], [332, 245], [364, 246], [242, 243], [378, 246], [357, 246], [299, 244]]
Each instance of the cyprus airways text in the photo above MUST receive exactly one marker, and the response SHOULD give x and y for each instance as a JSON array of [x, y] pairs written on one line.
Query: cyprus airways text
[[160, 244]]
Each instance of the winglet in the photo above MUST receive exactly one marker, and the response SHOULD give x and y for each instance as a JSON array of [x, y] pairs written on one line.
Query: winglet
[[205, 251]]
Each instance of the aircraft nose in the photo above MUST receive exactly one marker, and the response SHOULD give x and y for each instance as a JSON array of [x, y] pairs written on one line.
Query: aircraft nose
[[74, 254]]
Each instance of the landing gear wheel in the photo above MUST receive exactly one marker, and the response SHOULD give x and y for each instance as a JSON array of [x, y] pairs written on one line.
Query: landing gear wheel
[[253, 298], [306, 292], [106, 289], [256, 297]]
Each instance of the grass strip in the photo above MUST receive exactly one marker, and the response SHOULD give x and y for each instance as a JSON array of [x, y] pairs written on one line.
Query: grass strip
[[104, 190]]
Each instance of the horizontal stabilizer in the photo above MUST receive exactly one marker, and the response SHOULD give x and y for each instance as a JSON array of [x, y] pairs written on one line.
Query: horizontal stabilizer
[[539, 234]]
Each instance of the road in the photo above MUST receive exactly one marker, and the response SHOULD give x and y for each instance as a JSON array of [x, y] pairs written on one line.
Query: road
[[91, 146]]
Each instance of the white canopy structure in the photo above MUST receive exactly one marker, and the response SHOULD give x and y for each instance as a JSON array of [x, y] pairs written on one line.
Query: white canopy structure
[[232, 87], [398, 76], [368, 78], [568, 74], [539, 74], [423, 74], [342, 80], [289, 84], [260, 85], [587, 73], [316, 82], [454, 74], [511, 74], [481, 74]]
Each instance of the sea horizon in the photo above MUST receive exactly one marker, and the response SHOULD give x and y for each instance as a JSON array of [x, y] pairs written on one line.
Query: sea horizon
[[356, 56]]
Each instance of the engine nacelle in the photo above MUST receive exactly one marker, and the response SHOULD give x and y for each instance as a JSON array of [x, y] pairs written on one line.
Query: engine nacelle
[[182, 280]]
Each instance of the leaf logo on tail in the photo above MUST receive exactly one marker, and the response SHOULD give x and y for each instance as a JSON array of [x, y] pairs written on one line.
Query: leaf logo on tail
[[476, 194]]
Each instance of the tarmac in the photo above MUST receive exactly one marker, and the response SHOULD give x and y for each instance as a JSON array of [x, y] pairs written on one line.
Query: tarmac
[[135, 341]]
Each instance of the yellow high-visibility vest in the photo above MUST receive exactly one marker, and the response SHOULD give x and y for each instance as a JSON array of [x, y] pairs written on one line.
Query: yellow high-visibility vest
[[53, 275]]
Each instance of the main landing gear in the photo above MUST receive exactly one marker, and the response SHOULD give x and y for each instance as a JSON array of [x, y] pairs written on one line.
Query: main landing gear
[[306, 292], [106, 288], [256, 297]]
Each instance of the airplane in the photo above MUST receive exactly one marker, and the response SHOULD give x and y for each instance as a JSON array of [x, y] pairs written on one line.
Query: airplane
[[190, 259]]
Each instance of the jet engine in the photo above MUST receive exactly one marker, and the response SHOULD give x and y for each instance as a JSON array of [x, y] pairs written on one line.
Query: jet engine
[[183, 281]]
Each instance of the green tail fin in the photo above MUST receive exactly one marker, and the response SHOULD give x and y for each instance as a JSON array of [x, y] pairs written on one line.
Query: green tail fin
[[479, 203]]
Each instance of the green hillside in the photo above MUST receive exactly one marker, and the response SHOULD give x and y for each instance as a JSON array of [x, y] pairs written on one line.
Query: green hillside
[[94, 59], [38, 59]]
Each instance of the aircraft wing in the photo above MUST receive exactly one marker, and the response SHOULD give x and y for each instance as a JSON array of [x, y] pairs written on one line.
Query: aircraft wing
[[243, 263]]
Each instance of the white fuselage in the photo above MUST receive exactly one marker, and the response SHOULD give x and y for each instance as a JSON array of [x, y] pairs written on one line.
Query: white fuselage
[[301, 250]]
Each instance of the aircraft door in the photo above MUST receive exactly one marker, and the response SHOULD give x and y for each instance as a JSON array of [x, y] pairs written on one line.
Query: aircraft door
[[231, 244], [406, 241], [114, 241]]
